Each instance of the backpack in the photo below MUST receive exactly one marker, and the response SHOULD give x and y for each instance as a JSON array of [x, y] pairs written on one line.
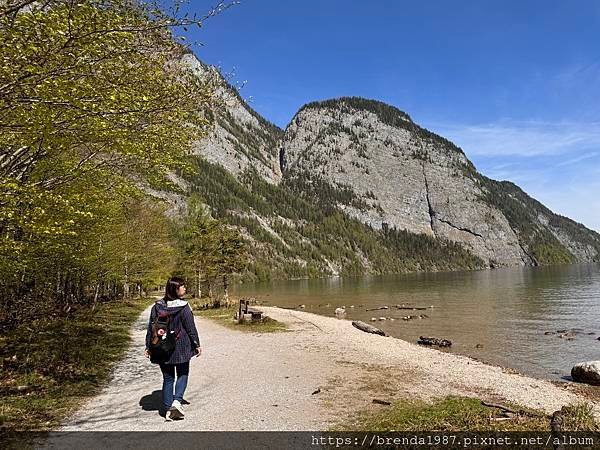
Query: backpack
[[164, 338]]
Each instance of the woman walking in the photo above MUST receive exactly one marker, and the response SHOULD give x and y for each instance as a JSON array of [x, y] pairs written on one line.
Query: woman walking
[[175, 312]]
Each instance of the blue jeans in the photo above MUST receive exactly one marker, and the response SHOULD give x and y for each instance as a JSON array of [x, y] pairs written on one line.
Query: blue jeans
[[168, 371]]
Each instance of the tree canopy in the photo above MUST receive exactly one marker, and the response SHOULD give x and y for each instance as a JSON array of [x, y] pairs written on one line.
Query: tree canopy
[[95, 107]]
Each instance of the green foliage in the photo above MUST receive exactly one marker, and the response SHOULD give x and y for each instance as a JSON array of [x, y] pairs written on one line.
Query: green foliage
[[309, 232], [260, 271], [424, 252], [387, 114], [327, 196], [94, 107], [138, 246], [231, 251], [89, 246], [62, 361], [248, 142], [209, 249], [221, 191], [579, 417], [450, 414], [196, 235], [467, 414], [522, 212], [225, 316], [267, 132], [93, 84]]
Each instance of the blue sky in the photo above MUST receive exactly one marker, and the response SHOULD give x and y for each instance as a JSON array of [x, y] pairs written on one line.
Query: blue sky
[[516, 84]]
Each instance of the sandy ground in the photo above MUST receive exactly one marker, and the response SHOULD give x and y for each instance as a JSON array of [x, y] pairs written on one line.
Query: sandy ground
[[252, 381]]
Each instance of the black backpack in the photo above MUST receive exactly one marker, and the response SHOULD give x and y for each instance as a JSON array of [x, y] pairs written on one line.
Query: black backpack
[[164, 338]]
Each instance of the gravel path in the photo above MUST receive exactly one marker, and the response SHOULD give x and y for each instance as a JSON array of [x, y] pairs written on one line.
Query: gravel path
[[252, 381]]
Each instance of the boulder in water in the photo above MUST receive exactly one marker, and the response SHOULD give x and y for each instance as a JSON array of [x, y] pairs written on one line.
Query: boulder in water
[[569, 335], [587, 372], [423, 340]]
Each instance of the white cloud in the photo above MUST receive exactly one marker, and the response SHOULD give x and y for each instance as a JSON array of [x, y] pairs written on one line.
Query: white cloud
[[516, 173], [570, 187], [526, 139], [578, 159], [578, 201], [556, 163], [583, 75]]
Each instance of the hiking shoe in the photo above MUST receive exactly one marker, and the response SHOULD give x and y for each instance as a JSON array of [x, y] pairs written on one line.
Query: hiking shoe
[[176, 411], [174, 414]]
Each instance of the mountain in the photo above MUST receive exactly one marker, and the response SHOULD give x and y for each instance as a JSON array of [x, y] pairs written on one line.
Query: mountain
[[240, 138], [354, 186], [413, 179]]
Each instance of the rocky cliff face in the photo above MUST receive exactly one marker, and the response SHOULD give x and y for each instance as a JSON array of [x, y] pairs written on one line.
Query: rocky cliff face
[[409, 178], [347, 162], [547, 238], [240, 138]]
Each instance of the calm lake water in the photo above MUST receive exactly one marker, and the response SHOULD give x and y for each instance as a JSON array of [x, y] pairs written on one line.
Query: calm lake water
[[507, 311]]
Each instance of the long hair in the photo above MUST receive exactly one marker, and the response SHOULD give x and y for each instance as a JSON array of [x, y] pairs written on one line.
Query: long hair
[[173, 284]]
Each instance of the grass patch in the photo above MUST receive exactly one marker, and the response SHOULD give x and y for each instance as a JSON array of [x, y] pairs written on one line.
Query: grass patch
[[579, 417], [51, 365], [466, 414], [224, 316]]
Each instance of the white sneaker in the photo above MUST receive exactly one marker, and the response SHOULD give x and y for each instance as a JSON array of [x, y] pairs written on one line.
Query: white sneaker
[[176, 411]]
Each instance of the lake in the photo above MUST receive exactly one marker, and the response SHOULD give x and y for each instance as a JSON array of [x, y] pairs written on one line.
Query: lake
[[497, 316]]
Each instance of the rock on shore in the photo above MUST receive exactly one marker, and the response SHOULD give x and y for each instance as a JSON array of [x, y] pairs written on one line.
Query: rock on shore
[[587, 372]]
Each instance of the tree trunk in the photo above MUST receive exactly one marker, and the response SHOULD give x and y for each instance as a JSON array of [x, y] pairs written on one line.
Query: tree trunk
[[58, 284], [96, 295], [198, 282], [66, 291], [126, 283], [81, 288], [367, 328], [225, 290]]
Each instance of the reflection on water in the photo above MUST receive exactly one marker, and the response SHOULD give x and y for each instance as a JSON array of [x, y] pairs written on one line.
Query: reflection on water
[[505, 311]]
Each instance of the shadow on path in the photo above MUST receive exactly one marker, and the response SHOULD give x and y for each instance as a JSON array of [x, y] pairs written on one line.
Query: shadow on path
[[152, 402]]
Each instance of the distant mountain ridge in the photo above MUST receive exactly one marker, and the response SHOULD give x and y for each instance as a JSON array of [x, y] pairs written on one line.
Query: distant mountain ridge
[[354, 186]]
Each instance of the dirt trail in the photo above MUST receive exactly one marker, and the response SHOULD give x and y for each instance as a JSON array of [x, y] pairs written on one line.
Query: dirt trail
[[251, 381]]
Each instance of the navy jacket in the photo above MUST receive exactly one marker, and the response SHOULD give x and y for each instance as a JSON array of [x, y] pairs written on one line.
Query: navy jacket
[[183, 323]]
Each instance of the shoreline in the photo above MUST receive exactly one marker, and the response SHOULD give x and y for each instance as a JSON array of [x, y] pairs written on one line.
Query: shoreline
[[558, 380], [507, 319], [444, 373]]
